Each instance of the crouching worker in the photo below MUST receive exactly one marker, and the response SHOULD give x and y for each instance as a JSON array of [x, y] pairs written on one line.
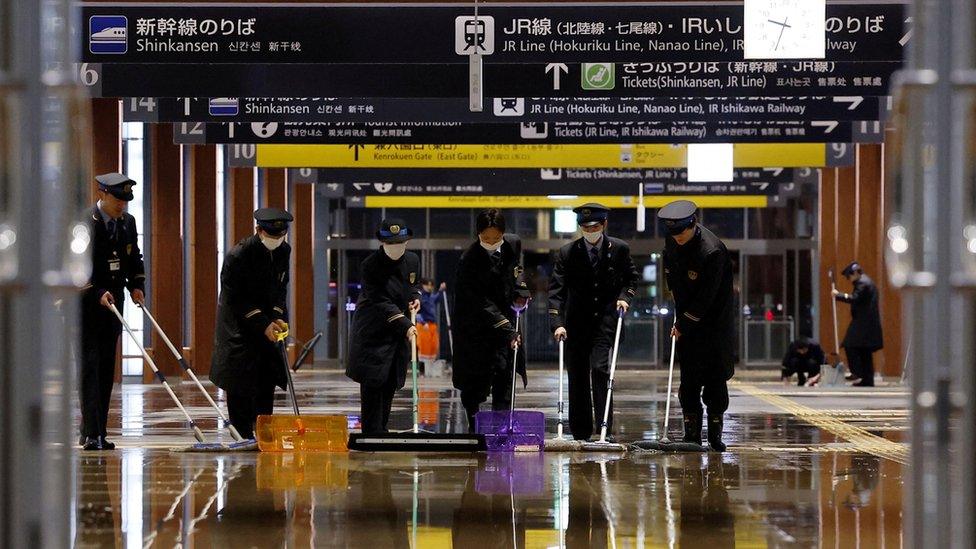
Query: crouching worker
[[803, 358], [251, 312], [382, 331]]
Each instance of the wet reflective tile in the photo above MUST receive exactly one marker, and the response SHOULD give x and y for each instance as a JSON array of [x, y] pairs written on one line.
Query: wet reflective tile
[[786, 482], [162, 499]]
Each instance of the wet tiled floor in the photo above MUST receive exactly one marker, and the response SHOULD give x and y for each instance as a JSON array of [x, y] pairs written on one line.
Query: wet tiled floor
[[806, 468]]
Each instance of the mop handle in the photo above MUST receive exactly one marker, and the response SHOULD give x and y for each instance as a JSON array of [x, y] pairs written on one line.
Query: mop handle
[[518, 316], [413, 360], [613, 369], [447, 313], [159, 375], [281, 337], [560, 402], [833, 306], [667, 404], [189, 370]]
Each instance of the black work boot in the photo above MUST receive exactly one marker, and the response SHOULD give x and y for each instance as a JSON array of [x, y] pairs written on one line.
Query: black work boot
[[92, 443], [715, 432], [693, 428]]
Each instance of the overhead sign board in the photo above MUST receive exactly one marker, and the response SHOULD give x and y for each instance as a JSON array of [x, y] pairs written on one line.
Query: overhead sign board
[[815, 131], [746, 155], [536, 182], [514, 201], [543, 33], [501, 80], [498, 109]]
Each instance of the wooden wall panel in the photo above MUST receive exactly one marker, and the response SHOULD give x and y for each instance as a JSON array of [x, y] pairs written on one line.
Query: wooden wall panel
[[302, 273], [239, 205], [274, 191], [203, 254], [166, 241]]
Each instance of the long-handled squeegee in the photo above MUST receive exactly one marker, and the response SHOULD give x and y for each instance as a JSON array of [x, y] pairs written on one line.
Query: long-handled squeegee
[[416, 440]]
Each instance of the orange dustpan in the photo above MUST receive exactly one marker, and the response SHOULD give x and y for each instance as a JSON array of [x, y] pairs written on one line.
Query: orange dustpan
[[286, 433]]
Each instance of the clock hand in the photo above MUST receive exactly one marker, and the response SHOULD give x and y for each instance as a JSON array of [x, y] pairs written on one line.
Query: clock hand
[[782, 28]]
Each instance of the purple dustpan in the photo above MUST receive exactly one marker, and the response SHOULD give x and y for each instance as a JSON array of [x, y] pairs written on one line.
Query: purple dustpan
[[515, 431]]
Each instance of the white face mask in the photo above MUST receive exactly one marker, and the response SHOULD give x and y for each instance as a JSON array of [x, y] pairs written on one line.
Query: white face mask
[[395, 251], [490, 248], [593, 237], [271, 242]]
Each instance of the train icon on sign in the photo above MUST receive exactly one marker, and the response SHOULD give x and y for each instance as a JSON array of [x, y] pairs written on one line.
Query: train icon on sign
[[224, 106], [108, 34], [509, 106], [474, 35]]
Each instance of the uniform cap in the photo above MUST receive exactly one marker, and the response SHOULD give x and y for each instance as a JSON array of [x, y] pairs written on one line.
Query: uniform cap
[[591, 213], [851, 268], [116, 184], [678, 215], [274, 221], [393, 231]]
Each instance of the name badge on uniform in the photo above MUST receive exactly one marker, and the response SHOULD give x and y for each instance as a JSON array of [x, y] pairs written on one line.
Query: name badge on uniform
[[692, 275], [114, 264], [128, 249], [413, 277]]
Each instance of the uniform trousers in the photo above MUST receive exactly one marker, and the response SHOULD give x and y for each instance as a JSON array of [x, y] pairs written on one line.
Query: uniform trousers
[[498, 385], [862, 364], [245, 406], [375, 403], [702, 378], [100, 332], [589, 376]]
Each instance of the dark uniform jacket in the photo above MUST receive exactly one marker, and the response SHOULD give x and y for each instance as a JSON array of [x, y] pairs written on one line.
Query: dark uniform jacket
[[115, 265], [584, 300], [484, 323], [699, 275], [253, 294], [382, 318], [865, 328], [811, 361]]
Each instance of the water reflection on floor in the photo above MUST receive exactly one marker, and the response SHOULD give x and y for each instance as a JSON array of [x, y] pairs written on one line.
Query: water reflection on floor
[[785, 484]]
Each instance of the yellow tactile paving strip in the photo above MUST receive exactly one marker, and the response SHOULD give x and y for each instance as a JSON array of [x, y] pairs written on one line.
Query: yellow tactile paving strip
[[860, 438]]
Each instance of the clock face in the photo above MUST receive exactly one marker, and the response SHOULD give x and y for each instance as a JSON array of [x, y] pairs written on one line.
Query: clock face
[[784, 29]]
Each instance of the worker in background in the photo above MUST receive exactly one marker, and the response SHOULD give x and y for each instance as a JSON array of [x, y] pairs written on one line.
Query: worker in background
[[428, 330], [803, 359], [864, 336]]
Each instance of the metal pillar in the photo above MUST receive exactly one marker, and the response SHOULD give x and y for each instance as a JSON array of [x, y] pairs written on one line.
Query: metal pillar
[[43, 262], [931, 254]]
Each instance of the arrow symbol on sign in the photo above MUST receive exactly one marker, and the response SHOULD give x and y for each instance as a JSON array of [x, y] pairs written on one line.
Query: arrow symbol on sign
[[763, 186], [776, 171], [555, 69], [908, 34], [854, 100], [356, 151], [360, 186], [831, 125]]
